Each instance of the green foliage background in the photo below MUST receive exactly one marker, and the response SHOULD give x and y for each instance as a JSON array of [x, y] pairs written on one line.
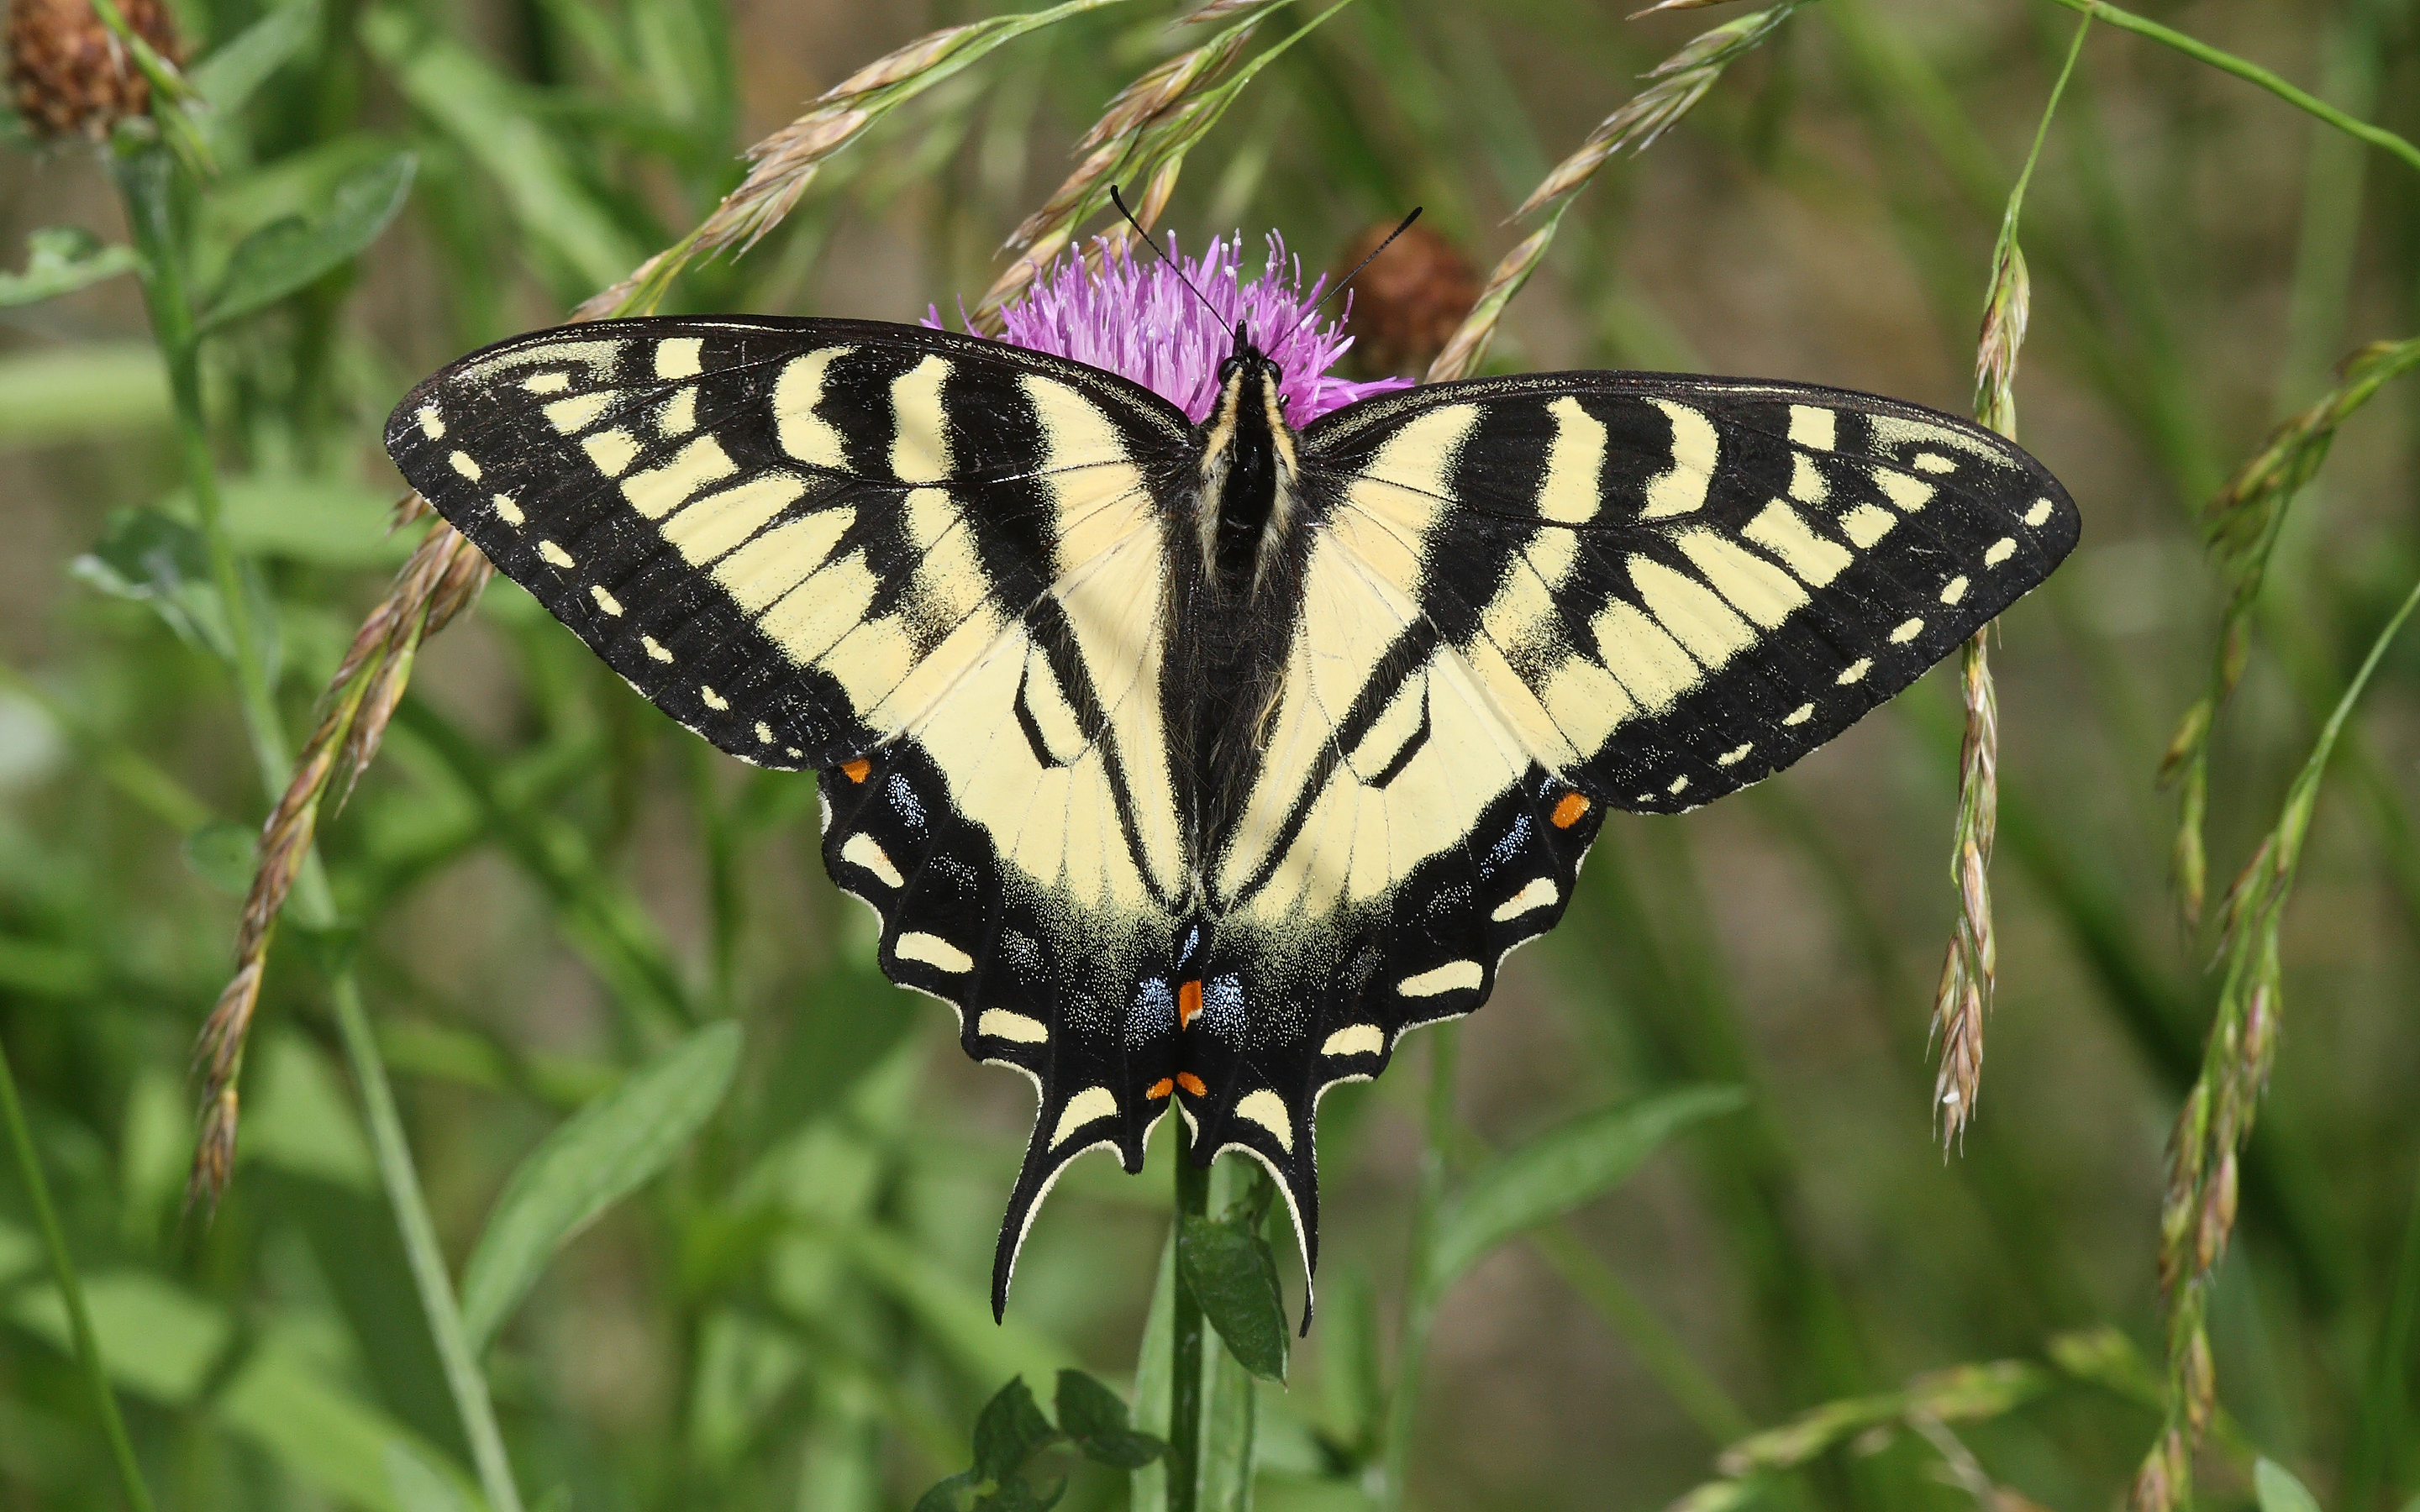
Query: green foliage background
[[550, 896]]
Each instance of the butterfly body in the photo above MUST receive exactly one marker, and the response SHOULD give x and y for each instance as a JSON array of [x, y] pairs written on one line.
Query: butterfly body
[[1194, 763]]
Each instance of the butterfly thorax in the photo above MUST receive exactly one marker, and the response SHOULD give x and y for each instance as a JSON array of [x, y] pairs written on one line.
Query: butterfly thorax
[[1248, 474]]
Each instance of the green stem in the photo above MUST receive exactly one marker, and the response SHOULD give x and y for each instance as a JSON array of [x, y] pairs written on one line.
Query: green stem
[[2251, 73], [87, 1347], [1187, 1401], [1419, 1289], [147, 178]]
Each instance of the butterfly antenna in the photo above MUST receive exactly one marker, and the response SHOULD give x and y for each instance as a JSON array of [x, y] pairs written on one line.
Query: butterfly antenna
[[1357, 269], [1119, 200]]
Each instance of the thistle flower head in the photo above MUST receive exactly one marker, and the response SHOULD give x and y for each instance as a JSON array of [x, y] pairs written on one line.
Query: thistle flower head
[[1134, 317]]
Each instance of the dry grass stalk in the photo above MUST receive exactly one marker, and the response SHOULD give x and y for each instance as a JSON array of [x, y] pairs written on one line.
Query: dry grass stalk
[[785, 164], [1145, 129], [443, 578], [2198, 1211], [2240, 526], [1673, 86]]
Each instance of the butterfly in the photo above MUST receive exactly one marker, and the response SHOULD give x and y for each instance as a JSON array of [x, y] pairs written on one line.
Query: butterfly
[[1194, 765]]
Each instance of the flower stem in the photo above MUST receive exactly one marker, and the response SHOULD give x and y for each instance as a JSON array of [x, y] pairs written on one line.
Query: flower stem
[[147, 179], [1420, 1291], [87, 1347], [1187, 1401]]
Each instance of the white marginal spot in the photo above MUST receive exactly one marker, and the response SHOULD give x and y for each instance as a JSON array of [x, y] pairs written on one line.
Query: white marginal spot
[[576, 413], [2001, 550], [1810, 426], [555, 554], [1953, 591], [1355, 1039], [860, 850], [507, 510], [2040, 511], [547, 382], [1090, 1105], [713, 699], [432, 424], [655, 648], [764, 732], [465, 466], [605, 600], [1856, 672], [1681, 488], [936, 951], [1934, 462], [1907, 632], [1268, 1110], [1799, 714], [1001, 1023], [612, 451], [1736, 754], [1454, 977], [793, 752], [1541, 893], [1678, 783], [678, 358], [1867, 523]]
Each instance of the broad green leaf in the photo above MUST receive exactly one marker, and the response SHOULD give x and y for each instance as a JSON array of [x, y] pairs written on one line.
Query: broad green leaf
[[956, 1494], [2279, 1491], [149, 557], [223, 854], [1562, 1170], [157, 1340], [487, 115], [1009, 1430], [1095, 1418], [1231, 1272], [327, 522], [419, 1486], [323, 1435], [291, 251], [228, 77], [60, 260], [301, 1121], [93, 392], [594, 1159]]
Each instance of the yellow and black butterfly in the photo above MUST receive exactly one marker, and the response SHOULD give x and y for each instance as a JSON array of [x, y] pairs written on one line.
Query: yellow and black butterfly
[[1194, 763]]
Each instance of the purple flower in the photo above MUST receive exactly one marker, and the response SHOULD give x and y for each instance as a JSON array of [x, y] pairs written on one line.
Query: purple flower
[[1135, 319]]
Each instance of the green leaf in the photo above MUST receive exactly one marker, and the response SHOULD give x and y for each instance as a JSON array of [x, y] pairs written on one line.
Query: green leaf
[[419, 1486], [223, 854], [94, 392], [146, 556], [298, 1118], [2278, 1490], [1094, 1417], [326, 521], [61, 260], [284, 1401], [157, 1340], [594, 1159], [228, 77], [290, 251], [948, 1497], [1562, 1170], [1009, 1431], [1231, 1273]]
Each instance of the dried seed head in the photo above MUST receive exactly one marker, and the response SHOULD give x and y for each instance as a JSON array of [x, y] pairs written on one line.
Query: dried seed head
[[68, 76], [1407, 304]]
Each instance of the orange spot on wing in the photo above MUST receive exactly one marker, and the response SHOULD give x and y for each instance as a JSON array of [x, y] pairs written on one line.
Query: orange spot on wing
[[1568, 811], [1159, 1089], [1191, 1083], [1188, 1002], [858, 769]]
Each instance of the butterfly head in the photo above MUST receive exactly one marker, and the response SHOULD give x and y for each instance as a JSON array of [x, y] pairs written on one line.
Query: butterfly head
[[1249, 379]]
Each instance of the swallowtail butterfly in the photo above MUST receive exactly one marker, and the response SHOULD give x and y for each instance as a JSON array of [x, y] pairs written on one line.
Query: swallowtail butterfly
[[1196, 763]]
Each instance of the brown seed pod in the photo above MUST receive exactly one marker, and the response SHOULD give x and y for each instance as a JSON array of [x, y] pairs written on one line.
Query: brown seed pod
[[1406, 305], [68, 76]]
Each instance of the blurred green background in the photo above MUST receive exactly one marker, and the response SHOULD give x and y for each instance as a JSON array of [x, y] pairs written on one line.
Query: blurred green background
[[544, 883]]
